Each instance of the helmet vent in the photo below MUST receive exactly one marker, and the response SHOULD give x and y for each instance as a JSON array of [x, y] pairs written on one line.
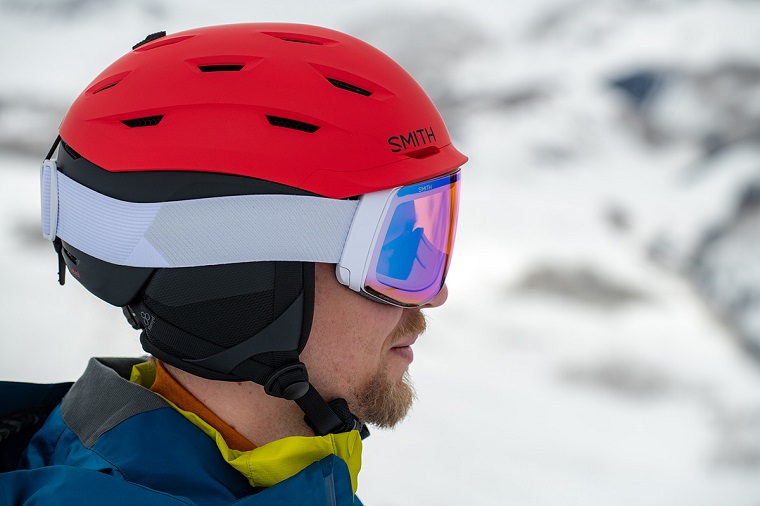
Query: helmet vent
[[302, 38], [107, 83], [424, 152], [105, 87], [301, 41], [291, 123], [143, 122], [349, 87], [220, 68]]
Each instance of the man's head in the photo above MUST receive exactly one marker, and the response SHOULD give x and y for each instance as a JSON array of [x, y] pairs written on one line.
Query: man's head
[[360, 350], [226, 185]]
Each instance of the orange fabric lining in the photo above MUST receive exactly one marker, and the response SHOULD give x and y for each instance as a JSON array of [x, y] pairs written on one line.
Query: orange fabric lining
[[170, 388]]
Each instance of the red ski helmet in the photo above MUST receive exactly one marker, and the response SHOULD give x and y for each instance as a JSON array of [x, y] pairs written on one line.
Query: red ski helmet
[[298, 105], [247, 109]]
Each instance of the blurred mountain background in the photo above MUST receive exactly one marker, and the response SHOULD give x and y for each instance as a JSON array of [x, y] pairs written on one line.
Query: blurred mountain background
[[601, 344]]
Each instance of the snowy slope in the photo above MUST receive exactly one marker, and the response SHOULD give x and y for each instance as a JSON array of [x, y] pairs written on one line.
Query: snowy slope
[[605, 282]]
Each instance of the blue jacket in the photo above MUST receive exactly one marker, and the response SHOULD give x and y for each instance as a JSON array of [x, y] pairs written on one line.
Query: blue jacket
[[115, 443]]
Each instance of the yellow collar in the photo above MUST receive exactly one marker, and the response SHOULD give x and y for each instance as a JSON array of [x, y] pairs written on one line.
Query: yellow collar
[[276, 461]]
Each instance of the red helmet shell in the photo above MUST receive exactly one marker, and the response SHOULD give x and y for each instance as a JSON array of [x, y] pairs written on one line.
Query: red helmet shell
[[298, 105]]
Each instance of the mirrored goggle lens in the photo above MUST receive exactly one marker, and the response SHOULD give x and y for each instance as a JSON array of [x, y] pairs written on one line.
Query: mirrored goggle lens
[[413, 252]]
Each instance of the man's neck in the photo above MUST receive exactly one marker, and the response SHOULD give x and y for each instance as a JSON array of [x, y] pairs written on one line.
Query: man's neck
[[245, 407]]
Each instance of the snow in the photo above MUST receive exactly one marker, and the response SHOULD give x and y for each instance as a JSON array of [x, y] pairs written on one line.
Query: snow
[[528, 397]]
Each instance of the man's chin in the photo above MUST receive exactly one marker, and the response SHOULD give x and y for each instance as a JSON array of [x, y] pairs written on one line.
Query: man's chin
[[385, 402]]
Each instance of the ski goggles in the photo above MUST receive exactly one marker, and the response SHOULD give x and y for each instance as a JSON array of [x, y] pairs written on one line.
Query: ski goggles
[[392, 246], [399, 247]]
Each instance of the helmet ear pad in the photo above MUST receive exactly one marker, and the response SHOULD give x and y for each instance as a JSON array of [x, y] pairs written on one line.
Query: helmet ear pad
[[190, 314]]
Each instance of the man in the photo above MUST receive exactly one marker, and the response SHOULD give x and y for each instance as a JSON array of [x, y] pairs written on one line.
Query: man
[[273, 206]]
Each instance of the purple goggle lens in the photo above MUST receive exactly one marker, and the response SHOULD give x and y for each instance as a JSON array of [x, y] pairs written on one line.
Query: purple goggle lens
[[413, 252]]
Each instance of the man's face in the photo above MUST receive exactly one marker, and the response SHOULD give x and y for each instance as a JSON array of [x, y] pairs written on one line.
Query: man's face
[[360, 350]]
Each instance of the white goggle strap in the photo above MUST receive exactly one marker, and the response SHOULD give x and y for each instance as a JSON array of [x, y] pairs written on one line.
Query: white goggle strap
[[190, 233]]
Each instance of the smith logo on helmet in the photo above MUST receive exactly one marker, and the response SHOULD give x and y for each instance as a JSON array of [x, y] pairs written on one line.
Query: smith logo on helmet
[[413, 139]]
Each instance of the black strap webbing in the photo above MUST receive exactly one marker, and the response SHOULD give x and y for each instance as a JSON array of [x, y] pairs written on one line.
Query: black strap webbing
[[319, 416]]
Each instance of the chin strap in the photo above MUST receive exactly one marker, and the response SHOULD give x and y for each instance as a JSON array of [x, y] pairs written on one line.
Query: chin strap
[[292, 382], [340, 407]]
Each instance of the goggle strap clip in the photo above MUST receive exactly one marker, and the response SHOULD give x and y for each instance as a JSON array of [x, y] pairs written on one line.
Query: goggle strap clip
[[58, 246]]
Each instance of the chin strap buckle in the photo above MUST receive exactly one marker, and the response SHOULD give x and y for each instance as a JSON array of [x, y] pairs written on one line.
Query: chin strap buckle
[[340, 407], [288, 382], [291, 382]]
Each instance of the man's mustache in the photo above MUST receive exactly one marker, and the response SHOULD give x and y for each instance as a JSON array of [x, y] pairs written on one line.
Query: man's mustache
[[414, 324]]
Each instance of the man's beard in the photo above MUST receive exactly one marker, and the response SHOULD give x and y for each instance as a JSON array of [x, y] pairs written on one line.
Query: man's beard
[[385, 401]]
